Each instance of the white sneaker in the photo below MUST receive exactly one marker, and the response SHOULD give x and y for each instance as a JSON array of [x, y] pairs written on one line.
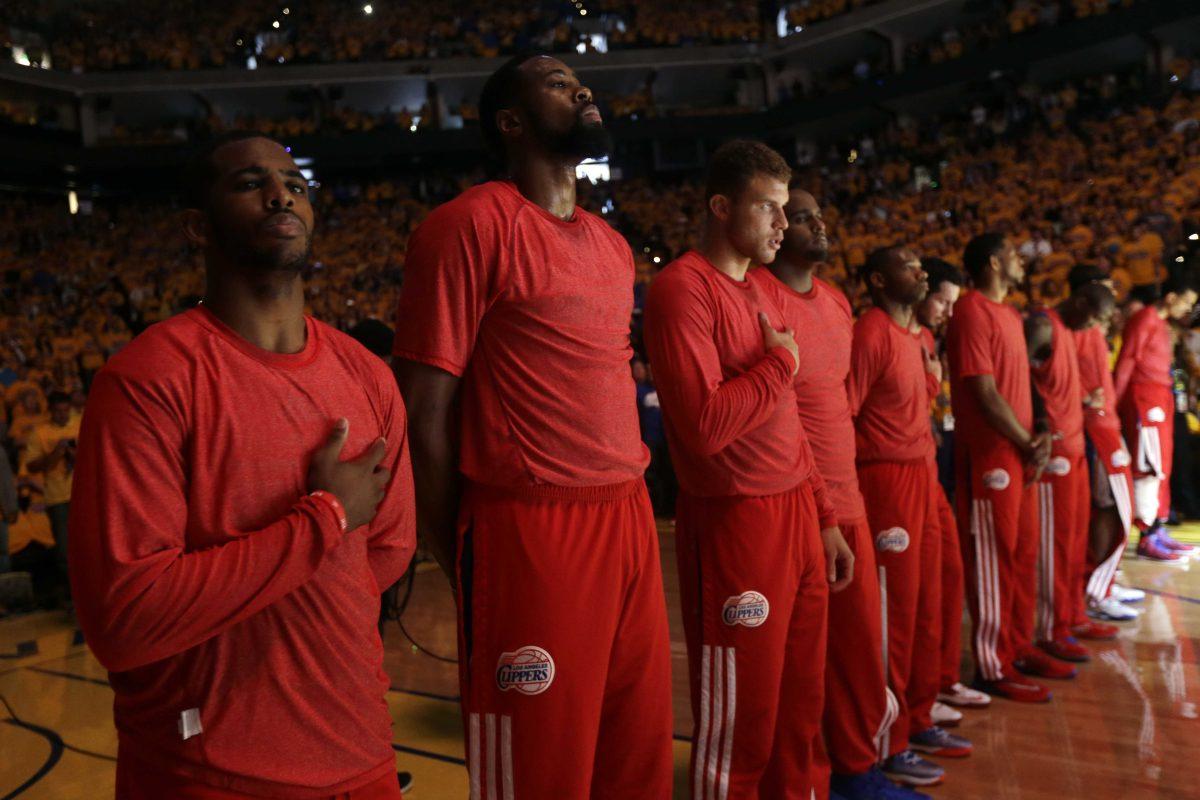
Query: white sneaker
[[1112, 609], [1126, 594], [944, 716], [962, 696]]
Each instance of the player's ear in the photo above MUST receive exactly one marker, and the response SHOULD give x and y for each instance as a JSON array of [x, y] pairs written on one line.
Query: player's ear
[[195, 226], [718, 206], [508, 122]]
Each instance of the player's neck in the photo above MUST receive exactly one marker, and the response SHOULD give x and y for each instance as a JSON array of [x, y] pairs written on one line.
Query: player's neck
[[267, 311], [900, 313], [722, 255], [546, 182], [796, 275], [995, 290]]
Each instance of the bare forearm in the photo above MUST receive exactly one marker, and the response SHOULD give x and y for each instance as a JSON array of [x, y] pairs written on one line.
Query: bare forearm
[[999, 415], [436, 481]]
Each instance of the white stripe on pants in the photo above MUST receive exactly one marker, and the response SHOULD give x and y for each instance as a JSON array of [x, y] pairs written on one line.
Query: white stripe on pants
[[718, 709], [1045, 613], [483, 755], [987, 576], [1102, 576]]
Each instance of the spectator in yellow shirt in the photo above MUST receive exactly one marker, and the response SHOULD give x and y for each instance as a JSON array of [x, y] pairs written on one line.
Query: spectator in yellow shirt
[[50, 455]]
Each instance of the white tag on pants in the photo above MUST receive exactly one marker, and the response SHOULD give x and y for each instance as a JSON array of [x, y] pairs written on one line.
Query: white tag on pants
[[189, 723]]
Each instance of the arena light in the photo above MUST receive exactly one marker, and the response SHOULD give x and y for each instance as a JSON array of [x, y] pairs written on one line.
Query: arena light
[[287, 11], [1194, 236], [1179, 259], [657, 259], [73, 202], [368, 9], [275, 24], [583, 12], [594, 169]]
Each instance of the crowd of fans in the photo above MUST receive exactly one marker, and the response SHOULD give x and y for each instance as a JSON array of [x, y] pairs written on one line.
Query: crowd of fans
[[96, 36], [1090, 172]]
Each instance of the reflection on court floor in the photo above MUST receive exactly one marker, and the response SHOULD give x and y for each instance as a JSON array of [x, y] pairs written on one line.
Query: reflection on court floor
[[1126, 728]]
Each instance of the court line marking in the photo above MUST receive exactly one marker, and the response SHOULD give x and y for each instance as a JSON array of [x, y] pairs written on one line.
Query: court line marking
[[56, 750], [71, 675], [1172, 595]]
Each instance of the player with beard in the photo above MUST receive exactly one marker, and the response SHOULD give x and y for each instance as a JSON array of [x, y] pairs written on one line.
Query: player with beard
[[892, 379], [1064, 491], [227, 561], [930, 318], [513, 349], [995, 446], [858, 709], [756, 537]]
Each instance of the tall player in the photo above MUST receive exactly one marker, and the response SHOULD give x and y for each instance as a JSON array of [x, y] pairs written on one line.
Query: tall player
[[892, 379], [1063, 487], [512, 340], [945, 285], [1112, 478], [995, 446], [1143, 385], [756, 536], [858, 709], [227, 560]]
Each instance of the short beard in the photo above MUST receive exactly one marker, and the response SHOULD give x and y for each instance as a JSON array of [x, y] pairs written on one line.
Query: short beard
[[263, 261], [584, 140], [817, 253]]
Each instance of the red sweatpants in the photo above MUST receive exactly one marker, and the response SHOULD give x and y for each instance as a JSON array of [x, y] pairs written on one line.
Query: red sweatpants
[[999, 514], [754, 590], [902, 511], [1112, 487], [564, 651], [858, 713], [138, 781], [1148, 418], [952, 589], [1063, 516]]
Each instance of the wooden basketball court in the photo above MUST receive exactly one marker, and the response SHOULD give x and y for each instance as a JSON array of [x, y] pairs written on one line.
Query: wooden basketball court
[[1126, 729]]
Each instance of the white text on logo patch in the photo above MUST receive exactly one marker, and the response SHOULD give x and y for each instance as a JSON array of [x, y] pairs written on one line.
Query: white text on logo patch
[[996, 479], [1058, 466], [1156, 414], [893, 540], [529, 670], [748, 608]]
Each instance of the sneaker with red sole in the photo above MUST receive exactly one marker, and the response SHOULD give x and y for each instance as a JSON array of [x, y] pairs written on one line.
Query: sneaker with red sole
[[1035, 662], [1066, 649], [1096, 631], [1016, 689], [1151, 547], [1171, 543]]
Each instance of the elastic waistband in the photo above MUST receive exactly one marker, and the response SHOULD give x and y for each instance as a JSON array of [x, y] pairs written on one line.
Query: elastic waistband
[[548, 491], [923, 461]]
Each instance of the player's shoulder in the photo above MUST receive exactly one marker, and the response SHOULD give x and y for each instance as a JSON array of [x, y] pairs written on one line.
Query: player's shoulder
[[873, 319], [833, 294], [481, 205], [163, 351]]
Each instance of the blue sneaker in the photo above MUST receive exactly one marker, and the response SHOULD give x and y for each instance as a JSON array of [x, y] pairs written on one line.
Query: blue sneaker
[[912, 770], [870, 785], [937, 741]]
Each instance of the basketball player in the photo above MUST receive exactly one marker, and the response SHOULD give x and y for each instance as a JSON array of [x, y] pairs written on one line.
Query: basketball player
[[1112, 479], [1143, 385], [243, 496], [931, 315], [892, 379], [858, 708], [512, 340], [757, 538], [1063, 489], [995, 446]]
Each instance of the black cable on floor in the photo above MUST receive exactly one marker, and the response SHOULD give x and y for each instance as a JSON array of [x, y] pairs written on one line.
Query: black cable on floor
[[396, 612]]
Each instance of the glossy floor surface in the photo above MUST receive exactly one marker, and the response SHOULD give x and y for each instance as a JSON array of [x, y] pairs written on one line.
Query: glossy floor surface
[[1127, 728]]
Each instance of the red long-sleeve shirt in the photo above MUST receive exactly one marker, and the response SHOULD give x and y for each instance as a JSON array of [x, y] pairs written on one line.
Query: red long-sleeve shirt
[[729, 405], [889, 391], [823, 322], [1145, 355], [1057, 382], [206, 579], [1094, 374]]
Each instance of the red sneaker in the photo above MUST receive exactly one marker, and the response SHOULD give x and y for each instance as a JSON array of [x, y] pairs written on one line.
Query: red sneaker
[[1015, 689], [1035, 662], [1097, 631], [1066, 649]]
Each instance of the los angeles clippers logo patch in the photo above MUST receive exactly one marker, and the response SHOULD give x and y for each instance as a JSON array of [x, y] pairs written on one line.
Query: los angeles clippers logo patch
[[1156, 414], [893, 540], [1120, 459], [996, 479], [748, 608], [1058, 466], [529, 670]]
